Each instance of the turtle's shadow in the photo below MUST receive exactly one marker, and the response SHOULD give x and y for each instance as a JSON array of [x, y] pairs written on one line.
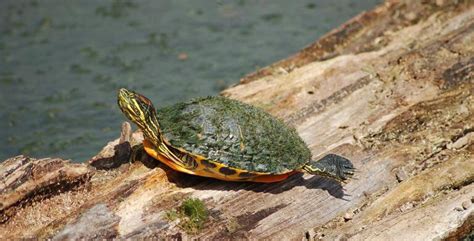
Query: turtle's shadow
[[183, 180]]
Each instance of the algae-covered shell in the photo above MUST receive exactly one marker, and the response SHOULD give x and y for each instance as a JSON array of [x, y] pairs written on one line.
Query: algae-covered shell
[[234, 134]]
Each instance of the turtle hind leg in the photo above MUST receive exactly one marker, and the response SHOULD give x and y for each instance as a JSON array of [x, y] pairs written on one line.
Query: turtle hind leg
[[332, 166]]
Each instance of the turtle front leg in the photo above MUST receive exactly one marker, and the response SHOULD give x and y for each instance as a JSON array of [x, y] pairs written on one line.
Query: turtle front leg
[[137, 153], [332, 166]]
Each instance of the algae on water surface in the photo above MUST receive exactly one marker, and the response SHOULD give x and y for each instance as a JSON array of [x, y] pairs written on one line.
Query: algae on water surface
[[61, 63]]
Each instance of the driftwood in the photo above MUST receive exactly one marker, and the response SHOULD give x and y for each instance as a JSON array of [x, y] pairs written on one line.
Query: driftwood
[[392, 89]]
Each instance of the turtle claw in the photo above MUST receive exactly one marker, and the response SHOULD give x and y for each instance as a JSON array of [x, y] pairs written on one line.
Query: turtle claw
[[348, 166], [348, 170], [349, 173]]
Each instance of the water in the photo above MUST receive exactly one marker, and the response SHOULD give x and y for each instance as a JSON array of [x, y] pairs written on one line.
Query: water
[[61, 62]]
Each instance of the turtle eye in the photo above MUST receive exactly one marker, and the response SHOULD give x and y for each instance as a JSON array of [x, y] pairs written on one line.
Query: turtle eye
[[145, 105], [144, 100]]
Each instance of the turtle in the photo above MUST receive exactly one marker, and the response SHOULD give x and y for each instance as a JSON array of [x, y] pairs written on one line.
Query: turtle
[[222, 138]]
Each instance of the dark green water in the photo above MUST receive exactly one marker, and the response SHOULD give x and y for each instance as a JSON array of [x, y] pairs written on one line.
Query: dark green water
[[61, 62]]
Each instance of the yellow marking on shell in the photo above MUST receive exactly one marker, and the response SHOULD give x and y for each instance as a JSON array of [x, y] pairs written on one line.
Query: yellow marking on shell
[[216, 172], [213, 170]]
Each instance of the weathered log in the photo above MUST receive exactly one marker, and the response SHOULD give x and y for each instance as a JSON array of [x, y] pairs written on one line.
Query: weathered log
[[392, 89]]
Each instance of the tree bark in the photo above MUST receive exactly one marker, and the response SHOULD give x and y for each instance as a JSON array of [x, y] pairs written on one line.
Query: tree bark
[[392, 90]]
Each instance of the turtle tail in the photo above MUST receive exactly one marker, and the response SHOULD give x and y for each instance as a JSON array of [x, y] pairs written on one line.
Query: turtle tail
[[332, 166]]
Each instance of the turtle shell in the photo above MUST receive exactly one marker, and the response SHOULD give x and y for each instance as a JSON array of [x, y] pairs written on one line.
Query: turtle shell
[[235, 134]]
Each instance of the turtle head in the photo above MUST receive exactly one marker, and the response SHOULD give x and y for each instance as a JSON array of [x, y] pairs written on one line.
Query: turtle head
[[140, 111]]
